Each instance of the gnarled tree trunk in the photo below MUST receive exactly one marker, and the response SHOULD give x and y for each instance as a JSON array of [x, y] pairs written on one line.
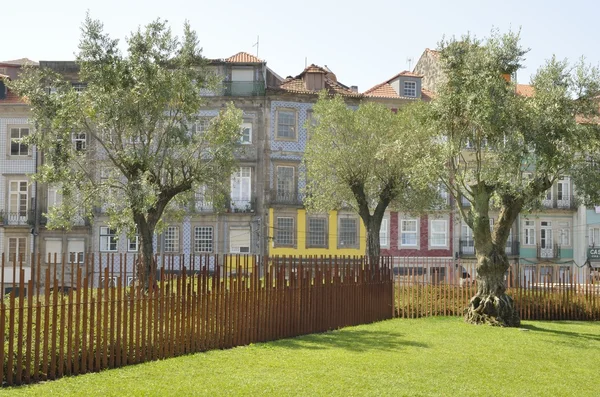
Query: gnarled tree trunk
[[491, 305]]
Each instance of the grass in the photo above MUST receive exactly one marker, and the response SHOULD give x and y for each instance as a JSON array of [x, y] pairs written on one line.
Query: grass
[[420, 357]]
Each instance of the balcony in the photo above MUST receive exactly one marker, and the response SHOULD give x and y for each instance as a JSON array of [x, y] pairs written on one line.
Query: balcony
[[565, 202], [243, 88], [286, 198], [242, 206], [20, 218], [551, 252], [80, 219], [467, 247], [203, 206]]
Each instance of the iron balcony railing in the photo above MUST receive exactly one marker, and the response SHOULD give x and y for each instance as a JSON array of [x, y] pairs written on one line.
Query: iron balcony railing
[[289, 198], [467, 247], [80, 219], [565, 201], [241, 206], [548, 252], [18, 218], [243, 88]]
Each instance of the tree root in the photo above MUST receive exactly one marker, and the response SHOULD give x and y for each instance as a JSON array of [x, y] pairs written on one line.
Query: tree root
[[492, 310]]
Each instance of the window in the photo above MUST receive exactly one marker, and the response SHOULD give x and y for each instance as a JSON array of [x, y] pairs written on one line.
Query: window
[[79, 87], [76, 251], [202, 199], [240, 188], [286, 124], [285, 183], [348, 233], [203, 239], [17, 249], [133, 244], [54, 196], [410, 89], [529, 232], [239, 240], [594, 236], [53, 251], [18, 198], [18, 148], [79, 141], [108, 239], [408, 232], [317, 232], [201, 125], [246, 133], [285, 231], [564, 234], [439, 232], [171, 239], [384, 234]]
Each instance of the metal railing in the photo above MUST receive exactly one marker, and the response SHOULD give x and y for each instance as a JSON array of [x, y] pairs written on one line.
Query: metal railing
[[290, 198], [243, 88], [552, 252], [467, 247], [18, 218], [242, 206], [566, 202]]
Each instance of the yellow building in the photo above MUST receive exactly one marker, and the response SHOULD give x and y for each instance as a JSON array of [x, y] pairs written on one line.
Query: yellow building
[[293, 231]]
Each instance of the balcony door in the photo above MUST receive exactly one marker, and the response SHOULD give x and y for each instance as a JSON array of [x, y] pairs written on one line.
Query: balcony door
[[563, 197], [546, 242], [18, 203], [242, 82]]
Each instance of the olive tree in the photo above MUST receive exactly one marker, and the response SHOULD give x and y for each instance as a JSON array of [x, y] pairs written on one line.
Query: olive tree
[[501, 151], [346, 165], [138, 110]]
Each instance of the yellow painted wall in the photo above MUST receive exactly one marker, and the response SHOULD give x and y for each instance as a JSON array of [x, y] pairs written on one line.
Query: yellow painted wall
[[301, 249]]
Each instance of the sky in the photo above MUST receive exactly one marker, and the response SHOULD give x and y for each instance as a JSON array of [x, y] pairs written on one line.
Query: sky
[[363, 43]]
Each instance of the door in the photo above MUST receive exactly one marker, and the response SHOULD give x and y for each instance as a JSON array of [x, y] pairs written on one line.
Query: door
[[563, 197], [467, 245], [546, 242]]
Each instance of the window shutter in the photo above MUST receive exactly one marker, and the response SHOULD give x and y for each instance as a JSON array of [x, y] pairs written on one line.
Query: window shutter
[[239, 240]]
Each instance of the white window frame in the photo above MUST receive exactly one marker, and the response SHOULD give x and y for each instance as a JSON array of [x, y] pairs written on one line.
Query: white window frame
[[246, 139], [402, 232], [201, 125], [76, 256], [406, 91], [564, 234], [594, 236], [529, 233], [384, 233], [133, 242], [21, 246], [242, 177], [22, 146], [22, 190], [204, 239], [79, 140], [433, 233], [108, 238], [171, 233], [281, 193], [293, 127], [54, 196]]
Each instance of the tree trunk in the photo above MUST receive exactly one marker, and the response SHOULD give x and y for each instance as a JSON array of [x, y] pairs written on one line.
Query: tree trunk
[[373, 242], [491, 305], [146, 266]]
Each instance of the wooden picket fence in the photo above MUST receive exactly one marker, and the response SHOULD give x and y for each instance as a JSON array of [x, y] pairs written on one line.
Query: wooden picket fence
[[443, 287], [68, 319]]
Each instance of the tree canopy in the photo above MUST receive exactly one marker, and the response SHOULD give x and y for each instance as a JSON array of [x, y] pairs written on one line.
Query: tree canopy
[[501, 150], [347, 165], [138, 111]]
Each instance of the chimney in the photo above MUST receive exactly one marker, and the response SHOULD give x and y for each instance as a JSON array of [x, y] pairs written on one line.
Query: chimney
[[354, 88]]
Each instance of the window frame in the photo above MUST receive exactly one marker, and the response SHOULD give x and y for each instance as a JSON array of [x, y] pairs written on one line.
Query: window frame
[[198, 241], [356, 243], [111, 238], [292, 195], [246, 125], [401, 233], [385, 224], [24, 251], [9, 130], [294, 126], [76, 139], [309, 243], [176, 244], [527, 237], [279, 229], [432, 232], [414, 89]]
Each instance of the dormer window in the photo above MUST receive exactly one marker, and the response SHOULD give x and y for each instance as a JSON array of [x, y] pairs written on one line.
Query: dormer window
[[409, 89], [314, 81]]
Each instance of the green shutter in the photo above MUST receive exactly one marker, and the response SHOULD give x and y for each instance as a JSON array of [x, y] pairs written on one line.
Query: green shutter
[[2, 90]]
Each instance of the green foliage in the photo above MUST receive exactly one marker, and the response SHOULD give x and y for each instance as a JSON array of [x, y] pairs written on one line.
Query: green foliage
[[348, 148], [144, 156], [499, 149]]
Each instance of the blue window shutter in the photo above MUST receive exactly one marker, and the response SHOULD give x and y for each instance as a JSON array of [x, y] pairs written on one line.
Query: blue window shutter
[[2, 90]]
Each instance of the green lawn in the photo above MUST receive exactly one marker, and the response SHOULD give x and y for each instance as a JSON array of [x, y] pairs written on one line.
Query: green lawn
[[422, 357]]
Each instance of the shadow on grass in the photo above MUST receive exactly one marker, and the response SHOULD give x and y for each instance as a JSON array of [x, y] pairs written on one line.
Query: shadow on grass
[[351, 340], [575, 336]]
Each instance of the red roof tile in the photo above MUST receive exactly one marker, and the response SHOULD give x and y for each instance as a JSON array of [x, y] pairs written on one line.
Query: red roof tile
[[298, 85], [524, 90], [243, 57]]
